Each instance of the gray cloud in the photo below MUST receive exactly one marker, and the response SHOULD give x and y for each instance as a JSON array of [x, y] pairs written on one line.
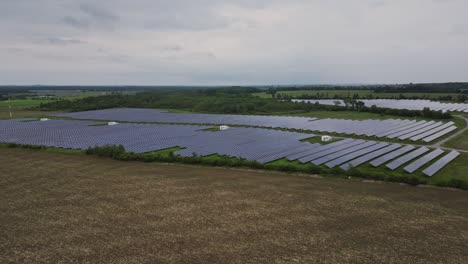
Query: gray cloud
[[233, 41], [172, 47], [64, 41], [378, 3], [75, 22], [184, 22], [460, 29], [98, 13]]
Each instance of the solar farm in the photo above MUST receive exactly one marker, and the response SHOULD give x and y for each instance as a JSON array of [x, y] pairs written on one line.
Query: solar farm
[[425, 131], [418, 104], [122, 183], [249, 143]]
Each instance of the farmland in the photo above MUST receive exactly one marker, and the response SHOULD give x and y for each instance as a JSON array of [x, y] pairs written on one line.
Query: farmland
[[62, 207]]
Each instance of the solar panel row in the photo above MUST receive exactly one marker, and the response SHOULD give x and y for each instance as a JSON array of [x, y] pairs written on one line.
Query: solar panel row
[[257, 144], [439, 134], [379, 161], [438, 165], [402, 160], [423, 160], [248, 143], [355, 154], [370, 156], [343, 152], [390, 128], [329, 150], [399, 104]]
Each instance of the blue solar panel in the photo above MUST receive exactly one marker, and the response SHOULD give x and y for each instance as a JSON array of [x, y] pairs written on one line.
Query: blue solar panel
[[397, 104], [343, 152], [423, 160], [370, 127], [262, 145], [355, 154], [379, 161], [326, 150], [438, 165], [439, 134], [366, 158], [402, 160]]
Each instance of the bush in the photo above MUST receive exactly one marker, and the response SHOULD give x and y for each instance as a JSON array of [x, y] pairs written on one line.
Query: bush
[[454, 183], [112, 151]]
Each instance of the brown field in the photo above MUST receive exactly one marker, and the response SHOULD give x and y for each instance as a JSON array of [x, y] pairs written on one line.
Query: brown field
[[65, 208]]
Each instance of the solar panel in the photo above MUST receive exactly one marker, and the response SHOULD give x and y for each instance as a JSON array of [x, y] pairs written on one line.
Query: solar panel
[[315, 150], [355, 154], [409, 130], [262, 145], [343, 152], [432, 131], [402, 160], [328, 151], [357, 127], [419, 131], [423, 160], [363, 159], [438, 165], [379, 161], [395, 104], [439, 134]]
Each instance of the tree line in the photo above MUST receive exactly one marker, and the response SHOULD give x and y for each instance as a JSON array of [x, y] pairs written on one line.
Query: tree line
[[221, 101]]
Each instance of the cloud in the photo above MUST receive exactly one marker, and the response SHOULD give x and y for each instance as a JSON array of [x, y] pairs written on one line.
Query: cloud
[[75, 22], [172, 47], [91, 16], [378, 3], [233, 41], [460, 30], [64, 41], [98, 13]]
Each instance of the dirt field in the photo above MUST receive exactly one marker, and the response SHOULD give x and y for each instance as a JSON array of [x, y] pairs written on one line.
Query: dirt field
[[63, 208]]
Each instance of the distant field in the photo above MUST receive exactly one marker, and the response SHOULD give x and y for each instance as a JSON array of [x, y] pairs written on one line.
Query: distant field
[[22, 102], [20, 112], [350, 93], [63, 208], [73, 95]]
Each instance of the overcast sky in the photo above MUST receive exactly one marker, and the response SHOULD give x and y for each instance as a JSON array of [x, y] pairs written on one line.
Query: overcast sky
[[211, 42]]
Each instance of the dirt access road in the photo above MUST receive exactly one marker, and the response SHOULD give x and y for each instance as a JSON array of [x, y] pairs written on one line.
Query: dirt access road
[[62, 208]]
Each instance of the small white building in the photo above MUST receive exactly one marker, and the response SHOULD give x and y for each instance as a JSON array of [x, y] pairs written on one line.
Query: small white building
[[223, 127], [112, 123], [44, 119], [326, 138]]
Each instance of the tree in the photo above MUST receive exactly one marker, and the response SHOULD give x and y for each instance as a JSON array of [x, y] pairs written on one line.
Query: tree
[[348, 102], [272, 91], [359, 105]]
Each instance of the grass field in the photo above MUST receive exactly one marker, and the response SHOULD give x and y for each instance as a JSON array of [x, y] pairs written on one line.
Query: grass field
[[21, 112], [62, 208], [459, 142], [350, 93], [22, 102]]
